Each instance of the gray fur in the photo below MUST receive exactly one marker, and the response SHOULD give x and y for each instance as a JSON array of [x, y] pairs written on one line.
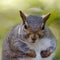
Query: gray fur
[[16, 43], [34, 22]]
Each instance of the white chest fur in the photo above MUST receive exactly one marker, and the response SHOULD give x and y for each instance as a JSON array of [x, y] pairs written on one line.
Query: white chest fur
[[40, 45]]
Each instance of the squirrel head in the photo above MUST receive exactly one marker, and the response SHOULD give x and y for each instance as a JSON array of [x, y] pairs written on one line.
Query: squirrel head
[[34, 24]]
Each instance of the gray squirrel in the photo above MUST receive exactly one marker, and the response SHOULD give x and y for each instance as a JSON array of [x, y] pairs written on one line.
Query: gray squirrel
[[30, 40]]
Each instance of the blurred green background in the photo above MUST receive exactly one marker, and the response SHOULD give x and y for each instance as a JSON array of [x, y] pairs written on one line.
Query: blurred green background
[[9, 16]]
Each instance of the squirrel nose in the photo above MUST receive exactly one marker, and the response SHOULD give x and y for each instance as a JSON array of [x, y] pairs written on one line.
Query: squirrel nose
[[33, 39]]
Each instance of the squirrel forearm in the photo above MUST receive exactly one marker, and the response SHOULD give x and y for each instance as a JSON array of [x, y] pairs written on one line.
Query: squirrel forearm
[[49, 50], [22, 48], [53, 46], [17, 45]]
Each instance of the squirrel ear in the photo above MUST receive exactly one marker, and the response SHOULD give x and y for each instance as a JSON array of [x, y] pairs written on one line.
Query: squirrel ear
[[45, 17], [23, 16]]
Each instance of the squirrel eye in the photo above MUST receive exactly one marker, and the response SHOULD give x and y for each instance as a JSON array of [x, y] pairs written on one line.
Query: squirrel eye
[[42, 26], [25, 26]]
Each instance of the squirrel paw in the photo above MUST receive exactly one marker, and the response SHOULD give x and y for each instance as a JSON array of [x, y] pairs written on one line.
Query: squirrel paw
[[31, 53], [45, 53]]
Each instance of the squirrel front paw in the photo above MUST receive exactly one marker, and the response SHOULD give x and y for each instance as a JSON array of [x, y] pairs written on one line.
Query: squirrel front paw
[[45, 53], [31, 53]]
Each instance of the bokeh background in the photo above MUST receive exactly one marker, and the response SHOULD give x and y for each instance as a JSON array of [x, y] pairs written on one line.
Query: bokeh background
[[9, 16]]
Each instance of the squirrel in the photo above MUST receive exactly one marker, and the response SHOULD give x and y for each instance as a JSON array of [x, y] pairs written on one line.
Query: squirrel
[[30, 40]]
